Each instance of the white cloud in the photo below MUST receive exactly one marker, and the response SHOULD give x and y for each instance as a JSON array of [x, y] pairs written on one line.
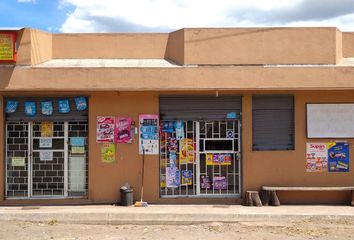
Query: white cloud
[[27, 1], [169, 15]]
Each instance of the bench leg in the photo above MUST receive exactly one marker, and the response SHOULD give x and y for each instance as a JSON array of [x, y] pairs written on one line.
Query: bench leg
[[274, 200], [252, 199], [265, 197], [352, 202]]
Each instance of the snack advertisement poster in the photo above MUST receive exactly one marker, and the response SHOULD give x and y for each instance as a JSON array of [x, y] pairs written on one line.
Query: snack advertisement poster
[[316, 157], [149, 134], [172, 177], [122, 129], [108, 153], [105, 129], [338, 157], [186, 151]]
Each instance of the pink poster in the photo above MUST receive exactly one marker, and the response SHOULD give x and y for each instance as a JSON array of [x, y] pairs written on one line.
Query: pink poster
[[122, 130], [105, 129]]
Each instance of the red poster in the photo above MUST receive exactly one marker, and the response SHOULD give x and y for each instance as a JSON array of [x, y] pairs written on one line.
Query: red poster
[[122, 133], [105, 129]]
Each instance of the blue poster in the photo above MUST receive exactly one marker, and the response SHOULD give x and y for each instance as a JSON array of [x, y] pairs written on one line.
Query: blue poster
[[81, 103], [167, 126], [338, 157], [64, 106], [77, 141], [149, 132], [47, 107], [11, 106], [179, 126], [30, 108]]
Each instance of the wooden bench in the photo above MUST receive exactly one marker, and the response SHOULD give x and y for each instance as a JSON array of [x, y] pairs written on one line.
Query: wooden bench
[[269, 196]]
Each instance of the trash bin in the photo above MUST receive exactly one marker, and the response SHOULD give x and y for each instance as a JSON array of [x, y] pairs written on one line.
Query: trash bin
[[126, 195]]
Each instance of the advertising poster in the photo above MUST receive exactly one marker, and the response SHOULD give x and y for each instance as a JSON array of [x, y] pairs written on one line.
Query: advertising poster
[[179, 127], [80, 103], [187, 177], [64, 106], [172, 144], [46, 129], [30, 109], [108, 153], [47, 107], [221, 159], [45, 142], [316, 157], [219, 183], [186, 151], [122, 130], [172, 177], [45, 155], [205, 182], [7, 46], [105, 129], [338, 157], [11, 106], [149, 134]]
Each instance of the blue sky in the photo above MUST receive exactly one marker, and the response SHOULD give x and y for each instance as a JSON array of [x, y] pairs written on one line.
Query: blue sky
[[169, 15], [42, 14]]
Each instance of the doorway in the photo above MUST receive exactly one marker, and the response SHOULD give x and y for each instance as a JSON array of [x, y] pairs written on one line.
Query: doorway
[[42, 160], [200, 158]]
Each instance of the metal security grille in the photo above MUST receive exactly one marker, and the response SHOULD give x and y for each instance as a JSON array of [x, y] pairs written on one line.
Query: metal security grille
[[214, 164], [16, 147], [48, 175], [64, 175]]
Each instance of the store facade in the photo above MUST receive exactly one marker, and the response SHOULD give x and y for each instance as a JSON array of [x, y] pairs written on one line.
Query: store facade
[[212, 124]]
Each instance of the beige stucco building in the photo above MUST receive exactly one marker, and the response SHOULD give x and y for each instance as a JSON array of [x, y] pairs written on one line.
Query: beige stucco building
[[241, 94]]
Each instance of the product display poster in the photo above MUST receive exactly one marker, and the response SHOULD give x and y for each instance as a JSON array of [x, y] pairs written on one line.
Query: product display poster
[[45, 155], [172, 177], [205, 182], [316, 157], [18, 162], [219, 183], [77, 141], [47, 107], [77, 150], [45, 142], [47, 129], [11, 106], [149, 134], [218, 159], [187, 177], [105, 129], [64, 106], [122, 129], [338, 157], [80, 103], [30, 108], [108, 153], [179, 127], [186, 151]]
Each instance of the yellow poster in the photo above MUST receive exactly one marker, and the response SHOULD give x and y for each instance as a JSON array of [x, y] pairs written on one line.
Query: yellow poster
[[186, 151], [209, 159], [6, 47], [108, 153], [47, 129]]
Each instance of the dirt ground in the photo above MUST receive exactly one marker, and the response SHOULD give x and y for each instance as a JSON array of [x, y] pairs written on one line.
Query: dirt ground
[[272, 230]]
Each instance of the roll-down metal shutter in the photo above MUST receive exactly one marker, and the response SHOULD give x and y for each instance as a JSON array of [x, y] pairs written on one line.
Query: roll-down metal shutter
[[201, 107], [20, 115], [273, 122]]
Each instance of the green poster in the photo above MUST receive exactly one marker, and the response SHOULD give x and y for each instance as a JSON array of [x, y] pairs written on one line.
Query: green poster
[[108, 153]]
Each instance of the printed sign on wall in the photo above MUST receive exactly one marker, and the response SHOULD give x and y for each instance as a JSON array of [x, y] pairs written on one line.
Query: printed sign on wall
[[316, 157], [149, 134], [122, 130], [7, 47], [108, 153], [105, 129], [338, 157]]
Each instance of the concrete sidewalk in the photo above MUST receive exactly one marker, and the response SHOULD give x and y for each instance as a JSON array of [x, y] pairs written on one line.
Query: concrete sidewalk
[[173, 214]]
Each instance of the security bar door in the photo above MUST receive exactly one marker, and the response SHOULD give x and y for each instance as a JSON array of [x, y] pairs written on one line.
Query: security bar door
[[48, 159], [203, 161]]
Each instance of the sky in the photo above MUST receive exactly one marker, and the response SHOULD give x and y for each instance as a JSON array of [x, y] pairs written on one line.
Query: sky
[[170, 15]]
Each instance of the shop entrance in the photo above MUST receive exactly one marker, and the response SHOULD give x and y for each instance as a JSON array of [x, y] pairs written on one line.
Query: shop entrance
[[42, 161], [200, 158]]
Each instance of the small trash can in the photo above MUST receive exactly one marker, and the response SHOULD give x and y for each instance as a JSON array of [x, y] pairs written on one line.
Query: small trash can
[[126, 195]]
